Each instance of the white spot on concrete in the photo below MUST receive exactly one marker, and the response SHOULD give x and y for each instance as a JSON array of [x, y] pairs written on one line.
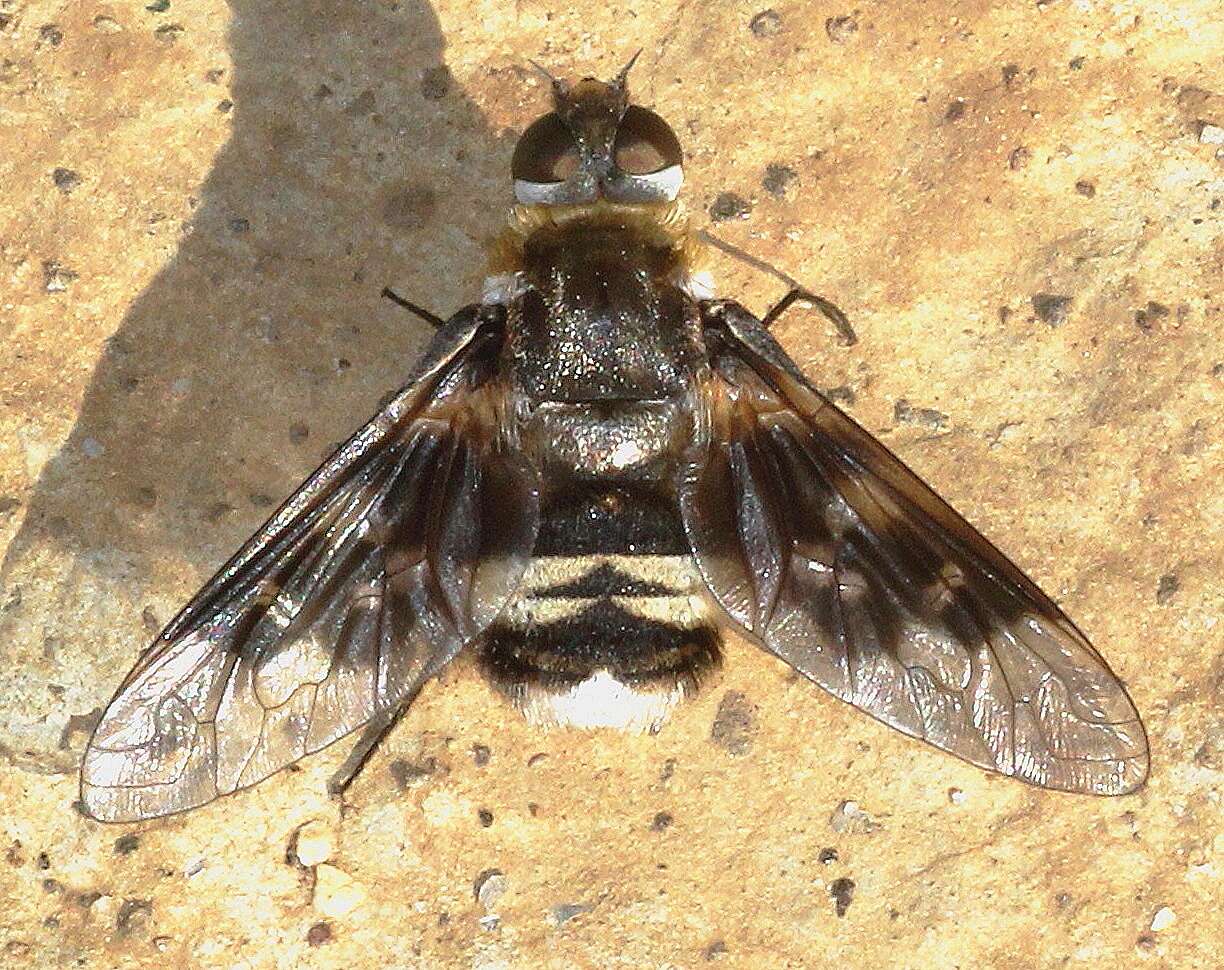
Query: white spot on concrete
[[336, 893]]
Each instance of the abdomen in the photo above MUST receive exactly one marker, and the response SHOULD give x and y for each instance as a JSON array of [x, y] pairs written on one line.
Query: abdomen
[[610, 626]]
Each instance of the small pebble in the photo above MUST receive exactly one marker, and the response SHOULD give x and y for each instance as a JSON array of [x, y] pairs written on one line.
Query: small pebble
[[734, 723], [319, 934], [841, 29], [1163, 919], [336, 893], [56, 277], [777, 178], [314, 843], [729, 206], [65, 179], [565, 912], [490, 886], [956, 796], [766, 23], [1211, 134], [842, 891], [1051, 308], [1167, 587], [849, 817]]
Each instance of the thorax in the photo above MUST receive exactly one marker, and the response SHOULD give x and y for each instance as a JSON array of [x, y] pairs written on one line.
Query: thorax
[[604, 350]]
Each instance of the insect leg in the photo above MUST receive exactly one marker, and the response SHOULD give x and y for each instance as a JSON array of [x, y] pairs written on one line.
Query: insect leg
[[436, 321], [832, 312], [365, 747], [796, 292]]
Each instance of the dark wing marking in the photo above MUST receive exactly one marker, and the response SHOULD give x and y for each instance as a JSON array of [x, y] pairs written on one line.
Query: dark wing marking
[[819, 542], [397, 552]]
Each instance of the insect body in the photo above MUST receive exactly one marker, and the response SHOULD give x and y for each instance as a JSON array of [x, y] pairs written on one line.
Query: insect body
[[592, 473]]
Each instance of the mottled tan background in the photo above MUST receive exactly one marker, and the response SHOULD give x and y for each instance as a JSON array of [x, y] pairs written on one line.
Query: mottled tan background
[[1019, 203]]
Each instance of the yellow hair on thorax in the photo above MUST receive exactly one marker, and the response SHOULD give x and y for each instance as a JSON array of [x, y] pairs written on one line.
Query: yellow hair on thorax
[[663, 224]]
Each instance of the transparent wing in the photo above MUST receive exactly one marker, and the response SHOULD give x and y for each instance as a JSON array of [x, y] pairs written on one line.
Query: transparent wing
[[820, 543], [399, 550]]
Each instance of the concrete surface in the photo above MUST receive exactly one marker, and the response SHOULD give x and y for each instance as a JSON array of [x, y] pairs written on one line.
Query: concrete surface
[[1020, 204]]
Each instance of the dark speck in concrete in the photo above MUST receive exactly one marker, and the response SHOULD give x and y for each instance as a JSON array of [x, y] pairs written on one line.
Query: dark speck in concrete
[[133, 916], [827, 856], [766, 23], [169, 33], [435, 82], [486, 818], [1010, 72], [240, 226], [778, 178], [65, 179], [841, 29], [1085, 188], [715, 950], [409, 207], [225, 105], [361, 105], [1146, 317], [1019, 158], [1167, 587], [56, 276], [955, 110], [734, 724], [1076, 63], [662, 820], [906, 413], [217, 511], [481, 754], [729, 206], [319, 934], [409, 775], [51, 35], [1051, 308], [127, 844], [842, 394], [842, 891]]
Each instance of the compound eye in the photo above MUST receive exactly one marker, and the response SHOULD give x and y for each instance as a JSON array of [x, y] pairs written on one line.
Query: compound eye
[[645, 143], [546, 152]]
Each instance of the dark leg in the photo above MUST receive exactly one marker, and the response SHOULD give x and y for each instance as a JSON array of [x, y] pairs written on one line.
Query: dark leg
[[797, 292], [411, 307], [830, 310], [364, 749]]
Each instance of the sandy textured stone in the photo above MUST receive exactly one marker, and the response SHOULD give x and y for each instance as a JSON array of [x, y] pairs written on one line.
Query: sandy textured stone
[[201, 202]]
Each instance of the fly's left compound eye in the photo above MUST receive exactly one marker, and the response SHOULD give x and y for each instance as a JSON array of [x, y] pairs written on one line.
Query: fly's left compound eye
[[645, 143], [546, 153]]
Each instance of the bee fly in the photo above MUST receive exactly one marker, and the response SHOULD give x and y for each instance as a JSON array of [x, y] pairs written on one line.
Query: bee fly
[[590, 474]]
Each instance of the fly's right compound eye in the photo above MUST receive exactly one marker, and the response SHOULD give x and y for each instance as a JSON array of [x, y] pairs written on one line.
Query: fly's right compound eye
[[546, 154]]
